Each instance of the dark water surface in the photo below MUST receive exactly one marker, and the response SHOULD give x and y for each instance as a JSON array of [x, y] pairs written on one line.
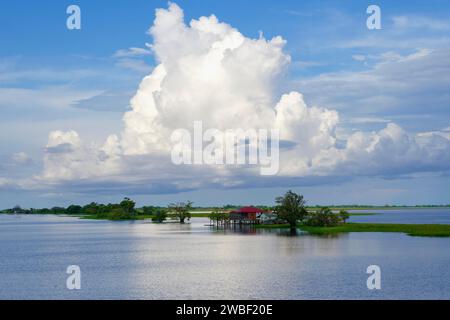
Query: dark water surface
[[141, 260]]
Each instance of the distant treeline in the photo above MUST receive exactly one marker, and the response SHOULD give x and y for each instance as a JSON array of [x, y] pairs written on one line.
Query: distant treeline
[[126, 209], [114, 211], [94, 208]]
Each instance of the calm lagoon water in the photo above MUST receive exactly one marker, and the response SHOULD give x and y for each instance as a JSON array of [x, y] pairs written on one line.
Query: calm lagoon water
[[141, 260]]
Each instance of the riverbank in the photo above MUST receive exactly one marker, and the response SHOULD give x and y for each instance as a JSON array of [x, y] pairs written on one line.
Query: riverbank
[[418, 230]]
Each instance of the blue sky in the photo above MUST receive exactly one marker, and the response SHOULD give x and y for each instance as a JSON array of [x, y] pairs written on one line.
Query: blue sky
[[52, 78]]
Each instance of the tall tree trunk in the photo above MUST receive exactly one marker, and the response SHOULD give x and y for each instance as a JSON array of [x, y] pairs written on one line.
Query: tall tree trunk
[[293, 227]]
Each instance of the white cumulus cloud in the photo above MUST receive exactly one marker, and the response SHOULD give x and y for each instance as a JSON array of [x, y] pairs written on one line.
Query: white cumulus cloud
[[207, 70]]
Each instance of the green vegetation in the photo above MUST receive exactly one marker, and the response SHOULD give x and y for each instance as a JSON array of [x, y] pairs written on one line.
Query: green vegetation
[[125, 210], [422, 230], [291, 208], [200, 215], [326, 218], [160, 216], [180, 211], [219, 217]]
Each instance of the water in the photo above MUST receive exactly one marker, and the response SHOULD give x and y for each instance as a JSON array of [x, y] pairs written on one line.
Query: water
[[141, 260], [410, 216]]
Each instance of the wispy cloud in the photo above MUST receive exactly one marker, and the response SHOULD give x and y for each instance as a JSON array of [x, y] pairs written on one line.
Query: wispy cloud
[[134, 64], [420, 22], [132, 52]]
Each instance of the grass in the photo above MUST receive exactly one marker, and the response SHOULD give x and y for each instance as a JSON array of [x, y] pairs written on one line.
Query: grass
[[418, 230]]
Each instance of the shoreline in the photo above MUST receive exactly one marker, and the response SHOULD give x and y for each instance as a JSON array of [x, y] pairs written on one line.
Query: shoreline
[[416, 230]]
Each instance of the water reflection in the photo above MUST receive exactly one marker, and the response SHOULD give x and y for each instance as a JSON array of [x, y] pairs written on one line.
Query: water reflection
[[142, 260]]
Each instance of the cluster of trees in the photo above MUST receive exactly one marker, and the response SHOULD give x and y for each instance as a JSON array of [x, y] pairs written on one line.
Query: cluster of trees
[[113, 211], [125, 210], [326, 218], [291, 208], [19, 209], [219, 216]]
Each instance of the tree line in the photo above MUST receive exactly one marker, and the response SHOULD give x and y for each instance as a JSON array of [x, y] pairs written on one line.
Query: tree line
[[290, 208], [124, 210]]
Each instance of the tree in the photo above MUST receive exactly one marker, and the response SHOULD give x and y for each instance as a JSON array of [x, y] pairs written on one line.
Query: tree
[[159, 216], [128, 206], [73, 209], [344, 215], [150, 210], [118, 213], [58, 210], [218, 216], [291, 207], [91, 208], [180, 210], [17, 209]]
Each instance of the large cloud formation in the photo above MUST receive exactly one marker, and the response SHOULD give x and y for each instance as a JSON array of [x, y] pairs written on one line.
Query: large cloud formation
[[209, 71]]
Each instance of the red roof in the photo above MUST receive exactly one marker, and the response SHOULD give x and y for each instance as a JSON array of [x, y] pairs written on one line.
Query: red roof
[[249, 209]]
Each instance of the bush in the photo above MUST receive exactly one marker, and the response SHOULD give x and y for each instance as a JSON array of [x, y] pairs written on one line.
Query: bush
[[118, 214], [159, 216], [323, 218]]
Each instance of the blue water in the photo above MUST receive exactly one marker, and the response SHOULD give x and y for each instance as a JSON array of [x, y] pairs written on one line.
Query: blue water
[[413, 216], [141, 260]]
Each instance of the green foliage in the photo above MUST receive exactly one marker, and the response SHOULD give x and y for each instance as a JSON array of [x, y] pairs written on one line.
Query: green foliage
[[180, 211], [92, 208], [57, 210], [122, 211], [323, 218], [291, 208], [74, 209], [418, 230], [159, 216], [118, 213], [218, 216], [127, 206], [344, 215], [150, 210]]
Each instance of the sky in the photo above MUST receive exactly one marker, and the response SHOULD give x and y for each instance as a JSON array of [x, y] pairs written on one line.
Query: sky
[[87, 115]]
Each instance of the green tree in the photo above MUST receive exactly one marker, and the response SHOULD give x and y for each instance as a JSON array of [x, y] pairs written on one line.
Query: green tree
[[58, 210], [150, 210], [180, 211], [128, 206], [291, 207], [218, 216], [344, 215], [159, 216], [73, 209], [118, 213], [91, 208]]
